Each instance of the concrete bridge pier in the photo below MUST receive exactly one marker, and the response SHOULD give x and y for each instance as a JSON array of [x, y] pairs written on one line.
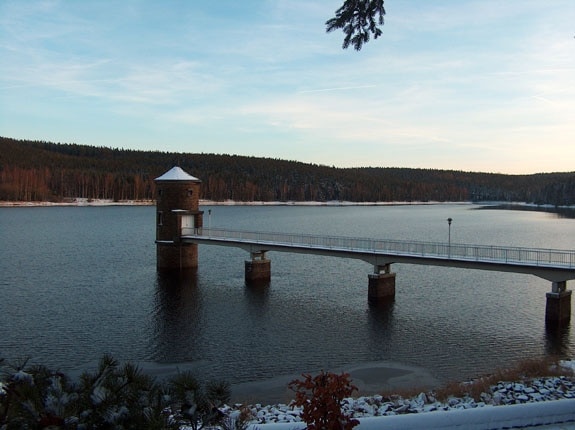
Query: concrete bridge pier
[[381, 286], [558, 307], [258, 269]]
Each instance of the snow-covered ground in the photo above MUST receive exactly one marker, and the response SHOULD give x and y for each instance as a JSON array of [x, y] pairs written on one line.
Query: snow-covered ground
[[553, 415], [81, 201], [548, 402]]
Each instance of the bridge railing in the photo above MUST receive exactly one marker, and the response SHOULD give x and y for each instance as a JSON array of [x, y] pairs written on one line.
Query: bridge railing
[[527, 256]]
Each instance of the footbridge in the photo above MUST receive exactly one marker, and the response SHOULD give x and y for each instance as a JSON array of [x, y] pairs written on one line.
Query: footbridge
[[180, 228], [554, 265]]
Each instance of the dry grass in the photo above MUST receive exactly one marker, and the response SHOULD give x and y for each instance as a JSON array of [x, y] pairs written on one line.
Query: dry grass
[[472, 389], [523, 371], [404, 393], [242, 422]]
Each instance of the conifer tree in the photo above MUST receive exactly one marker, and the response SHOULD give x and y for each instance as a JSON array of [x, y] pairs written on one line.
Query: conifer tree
[[358, 19]]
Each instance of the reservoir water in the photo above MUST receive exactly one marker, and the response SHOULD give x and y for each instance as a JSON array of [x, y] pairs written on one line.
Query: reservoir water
[[78, 282]]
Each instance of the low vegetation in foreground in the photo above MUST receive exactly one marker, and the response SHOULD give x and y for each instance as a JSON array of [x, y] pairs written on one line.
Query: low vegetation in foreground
[[121, 396], [115, 396]]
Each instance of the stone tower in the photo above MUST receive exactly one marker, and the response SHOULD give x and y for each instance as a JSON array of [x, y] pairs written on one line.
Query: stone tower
[[177, 211]]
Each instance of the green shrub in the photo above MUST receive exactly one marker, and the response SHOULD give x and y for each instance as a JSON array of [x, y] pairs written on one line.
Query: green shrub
[[199, 405], [115, 396]]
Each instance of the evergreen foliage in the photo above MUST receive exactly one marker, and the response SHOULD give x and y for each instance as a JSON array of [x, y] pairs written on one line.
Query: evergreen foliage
[[113, 397], [46, 171], [358, 19]]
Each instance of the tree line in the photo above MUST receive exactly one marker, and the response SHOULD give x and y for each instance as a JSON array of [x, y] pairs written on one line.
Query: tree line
[[47, 171]]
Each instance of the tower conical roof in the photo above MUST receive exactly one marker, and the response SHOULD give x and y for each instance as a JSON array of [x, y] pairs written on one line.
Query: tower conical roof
[[176, 174]]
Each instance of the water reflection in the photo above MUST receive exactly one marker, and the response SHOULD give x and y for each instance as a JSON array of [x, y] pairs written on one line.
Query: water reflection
[[381, 312], [257, 297], [178, 316], [380, 326], [557, 339], [458, 323]]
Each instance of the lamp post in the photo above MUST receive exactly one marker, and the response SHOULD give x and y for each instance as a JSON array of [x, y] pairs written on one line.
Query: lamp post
[[449, 237], [210, 221]]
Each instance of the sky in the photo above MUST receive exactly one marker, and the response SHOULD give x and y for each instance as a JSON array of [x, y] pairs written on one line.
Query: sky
[[484, 85]]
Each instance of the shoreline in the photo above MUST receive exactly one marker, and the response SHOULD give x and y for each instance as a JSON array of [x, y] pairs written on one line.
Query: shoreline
[[390, 393], [370, 378], [532, 396], [76, 202], [530, 400], [108, 202], [85, 202]]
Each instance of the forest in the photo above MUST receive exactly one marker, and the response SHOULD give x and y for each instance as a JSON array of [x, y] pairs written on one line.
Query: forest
[[46, 171]]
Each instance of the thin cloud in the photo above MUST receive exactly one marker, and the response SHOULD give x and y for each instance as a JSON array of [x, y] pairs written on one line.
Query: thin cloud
[[321, 90], [468, 84]]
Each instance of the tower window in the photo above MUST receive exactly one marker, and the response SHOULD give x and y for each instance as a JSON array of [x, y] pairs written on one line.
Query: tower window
[[160, 218], [190, 192]]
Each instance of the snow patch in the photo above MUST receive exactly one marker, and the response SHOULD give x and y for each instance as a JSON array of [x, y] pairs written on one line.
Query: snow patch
[[537, 402]]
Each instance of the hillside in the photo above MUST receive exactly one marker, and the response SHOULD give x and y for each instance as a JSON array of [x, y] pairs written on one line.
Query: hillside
[[46, 171]]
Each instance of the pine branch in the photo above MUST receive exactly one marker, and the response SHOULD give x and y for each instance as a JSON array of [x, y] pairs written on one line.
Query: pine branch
[[358, 19]]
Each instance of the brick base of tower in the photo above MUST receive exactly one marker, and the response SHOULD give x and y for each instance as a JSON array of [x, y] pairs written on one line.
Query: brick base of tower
[[176, 256]]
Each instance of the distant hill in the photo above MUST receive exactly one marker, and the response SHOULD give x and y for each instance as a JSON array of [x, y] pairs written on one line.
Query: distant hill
[[46, 171]]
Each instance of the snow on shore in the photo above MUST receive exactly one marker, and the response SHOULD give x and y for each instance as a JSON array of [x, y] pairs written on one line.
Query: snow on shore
[[79, 202], [109, 202], [555, 415], [547, 400]]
